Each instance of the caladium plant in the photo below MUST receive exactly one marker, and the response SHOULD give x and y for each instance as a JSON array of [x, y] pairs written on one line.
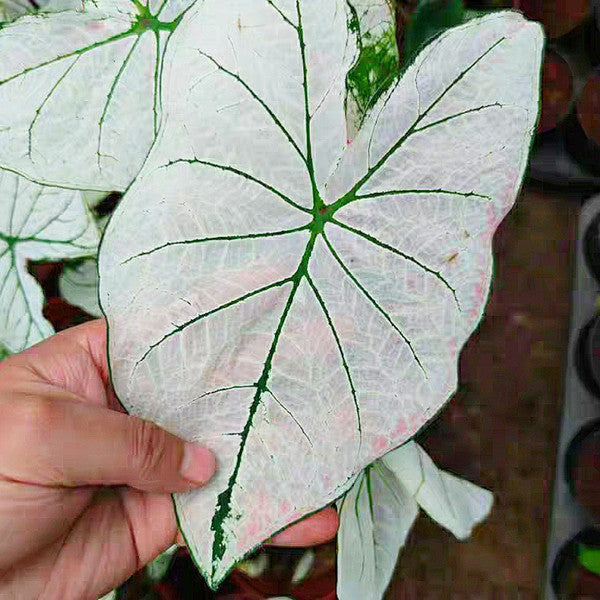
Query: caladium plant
[[99, 65], [293, 272], [36, 223], [295, 299]]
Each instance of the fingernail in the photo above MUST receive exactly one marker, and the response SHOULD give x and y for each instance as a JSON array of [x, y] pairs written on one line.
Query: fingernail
[[199, 464]]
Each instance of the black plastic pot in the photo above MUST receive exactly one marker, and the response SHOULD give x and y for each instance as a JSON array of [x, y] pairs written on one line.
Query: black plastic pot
[[557, 91], [587, 356], [570, 580], [558, 17], [582, 126], [582, 469], [591, 247]]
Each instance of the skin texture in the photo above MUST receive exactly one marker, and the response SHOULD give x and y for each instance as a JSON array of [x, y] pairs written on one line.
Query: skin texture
[[84, 487]]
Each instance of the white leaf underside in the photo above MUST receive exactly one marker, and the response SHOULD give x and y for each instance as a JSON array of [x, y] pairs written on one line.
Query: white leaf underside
[[377, 513], [79, 92], [78, 285], [456, 504], [301, 355], [36, 223]]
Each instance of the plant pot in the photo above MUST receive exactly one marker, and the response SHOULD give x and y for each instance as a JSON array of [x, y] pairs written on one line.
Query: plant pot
[[557, 16], [557, 90], [591, 248], [591, 36], [582, 126], [582, 469], [587, 356], [570, 579]]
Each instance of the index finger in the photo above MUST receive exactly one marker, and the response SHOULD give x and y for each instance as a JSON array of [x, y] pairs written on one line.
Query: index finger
[[316, 529], [319, 528], [74, 360]]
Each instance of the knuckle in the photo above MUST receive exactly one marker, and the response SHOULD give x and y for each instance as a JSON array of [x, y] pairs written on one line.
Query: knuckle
[[149, 445]]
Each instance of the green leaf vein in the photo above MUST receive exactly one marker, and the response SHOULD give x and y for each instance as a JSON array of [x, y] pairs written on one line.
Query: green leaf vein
[[217, 238], [241, 173], [110, 94], [41, 106], [338, 342], [373, 302], [266, 107], [409, 258]]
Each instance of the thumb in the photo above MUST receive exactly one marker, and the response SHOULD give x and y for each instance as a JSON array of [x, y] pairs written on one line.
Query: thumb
[[69, 443]]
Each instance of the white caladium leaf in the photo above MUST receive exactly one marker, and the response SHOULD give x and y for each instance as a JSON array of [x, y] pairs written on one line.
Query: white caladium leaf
[[11, 9], [376, 515], [254, 566], [294, 302], [110, 596], [36, 223], [456, 504], [78, 285], [304, 566], [79, 91]]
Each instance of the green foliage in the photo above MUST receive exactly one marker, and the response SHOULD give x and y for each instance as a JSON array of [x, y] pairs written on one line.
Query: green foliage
[[158, 568], [4, 353], [589, 558], [431, 18], [375, 69]]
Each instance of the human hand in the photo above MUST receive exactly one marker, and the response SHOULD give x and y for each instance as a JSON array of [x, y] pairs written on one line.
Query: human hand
[[84, 487]]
